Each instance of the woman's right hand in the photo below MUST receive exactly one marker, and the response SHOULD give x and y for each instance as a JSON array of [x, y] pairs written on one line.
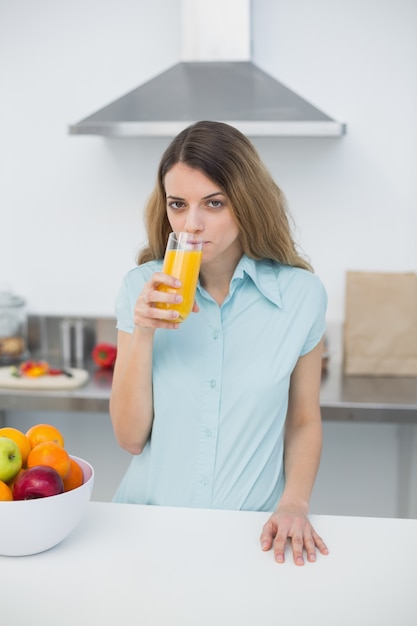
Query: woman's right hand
[[146, 314]]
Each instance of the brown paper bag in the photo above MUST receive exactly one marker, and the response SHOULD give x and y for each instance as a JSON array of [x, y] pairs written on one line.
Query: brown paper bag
[[380, 330]]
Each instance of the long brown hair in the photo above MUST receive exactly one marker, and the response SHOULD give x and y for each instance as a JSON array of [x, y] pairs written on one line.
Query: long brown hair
[[228, 158]]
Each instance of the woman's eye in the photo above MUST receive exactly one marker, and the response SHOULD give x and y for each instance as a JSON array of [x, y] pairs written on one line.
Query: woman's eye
[[176, 204], [215, 204]]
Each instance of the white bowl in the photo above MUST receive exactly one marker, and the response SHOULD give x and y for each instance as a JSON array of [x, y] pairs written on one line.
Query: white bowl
[[32, 526]]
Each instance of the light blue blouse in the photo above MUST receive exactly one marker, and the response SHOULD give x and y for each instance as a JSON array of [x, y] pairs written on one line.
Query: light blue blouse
[[220, 385]]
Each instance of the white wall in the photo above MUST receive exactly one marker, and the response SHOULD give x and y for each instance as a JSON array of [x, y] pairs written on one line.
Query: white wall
[[71, 206]]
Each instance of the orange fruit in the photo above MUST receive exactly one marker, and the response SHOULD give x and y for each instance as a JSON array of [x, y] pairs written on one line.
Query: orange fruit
[[75, 476], [5, 491], [52, 454], [44, 432], [19, 438]]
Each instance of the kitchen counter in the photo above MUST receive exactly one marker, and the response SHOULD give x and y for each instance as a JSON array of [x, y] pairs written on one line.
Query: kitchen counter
[[367, 398], [92, 397], [45, 343], [160, 566], [342, 398]]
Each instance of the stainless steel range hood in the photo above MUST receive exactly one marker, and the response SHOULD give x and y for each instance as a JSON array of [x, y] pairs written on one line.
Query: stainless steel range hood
[[235, 91]]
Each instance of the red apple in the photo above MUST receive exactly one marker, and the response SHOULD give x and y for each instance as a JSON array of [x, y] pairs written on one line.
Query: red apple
[[38, 482]]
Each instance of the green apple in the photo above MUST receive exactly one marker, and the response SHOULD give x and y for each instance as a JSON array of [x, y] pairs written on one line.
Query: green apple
[[10, 459]]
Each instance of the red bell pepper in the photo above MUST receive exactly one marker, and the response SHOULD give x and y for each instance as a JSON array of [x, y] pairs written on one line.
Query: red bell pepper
[[104, 355]]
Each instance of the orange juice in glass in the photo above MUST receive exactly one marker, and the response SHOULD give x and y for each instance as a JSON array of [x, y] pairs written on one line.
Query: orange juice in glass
[[182, 260]]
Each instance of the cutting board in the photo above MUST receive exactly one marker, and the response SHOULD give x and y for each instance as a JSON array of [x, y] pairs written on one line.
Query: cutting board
[[8, 381]]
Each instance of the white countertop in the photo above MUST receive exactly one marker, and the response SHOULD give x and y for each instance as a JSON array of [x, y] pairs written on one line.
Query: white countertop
[[154, 566]]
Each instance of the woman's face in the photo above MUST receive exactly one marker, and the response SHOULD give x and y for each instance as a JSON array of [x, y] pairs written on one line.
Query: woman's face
[[197, 205]]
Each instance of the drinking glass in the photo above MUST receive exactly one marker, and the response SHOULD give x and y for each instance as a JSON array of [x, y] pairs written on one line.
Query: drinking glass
[[182, 260]]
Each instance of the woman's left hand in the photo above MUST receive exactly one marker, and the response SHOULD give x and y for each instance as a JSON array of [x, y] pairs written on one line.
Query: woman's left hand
[[292, 524]]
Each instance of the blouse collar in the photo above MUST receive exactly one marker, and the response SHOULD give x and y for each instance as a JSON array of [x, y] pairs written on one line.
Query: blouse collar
[[263, 274]]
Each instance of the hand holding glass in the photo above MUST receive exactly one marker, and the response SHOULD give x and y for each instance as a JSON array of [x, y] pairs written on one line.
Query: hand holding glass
[[182, 260]]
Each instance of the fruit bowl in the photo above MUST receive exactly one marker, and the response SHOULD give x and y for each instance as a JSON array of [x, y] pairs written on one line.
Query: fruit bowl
[[32, 526]]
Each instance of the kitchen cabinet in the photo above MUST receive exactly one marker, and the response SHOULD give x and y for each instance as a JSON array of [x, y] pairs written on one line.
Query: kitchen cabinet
[[363, 470]]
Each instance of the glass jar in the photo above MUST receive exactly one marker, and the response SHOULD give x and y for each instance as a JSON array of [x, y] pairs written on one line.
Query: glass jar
[[13, 327]]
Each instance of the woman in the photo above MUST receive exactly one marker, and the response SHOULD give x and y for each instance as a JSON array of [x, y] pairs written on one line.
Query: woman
[[222, 411]]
